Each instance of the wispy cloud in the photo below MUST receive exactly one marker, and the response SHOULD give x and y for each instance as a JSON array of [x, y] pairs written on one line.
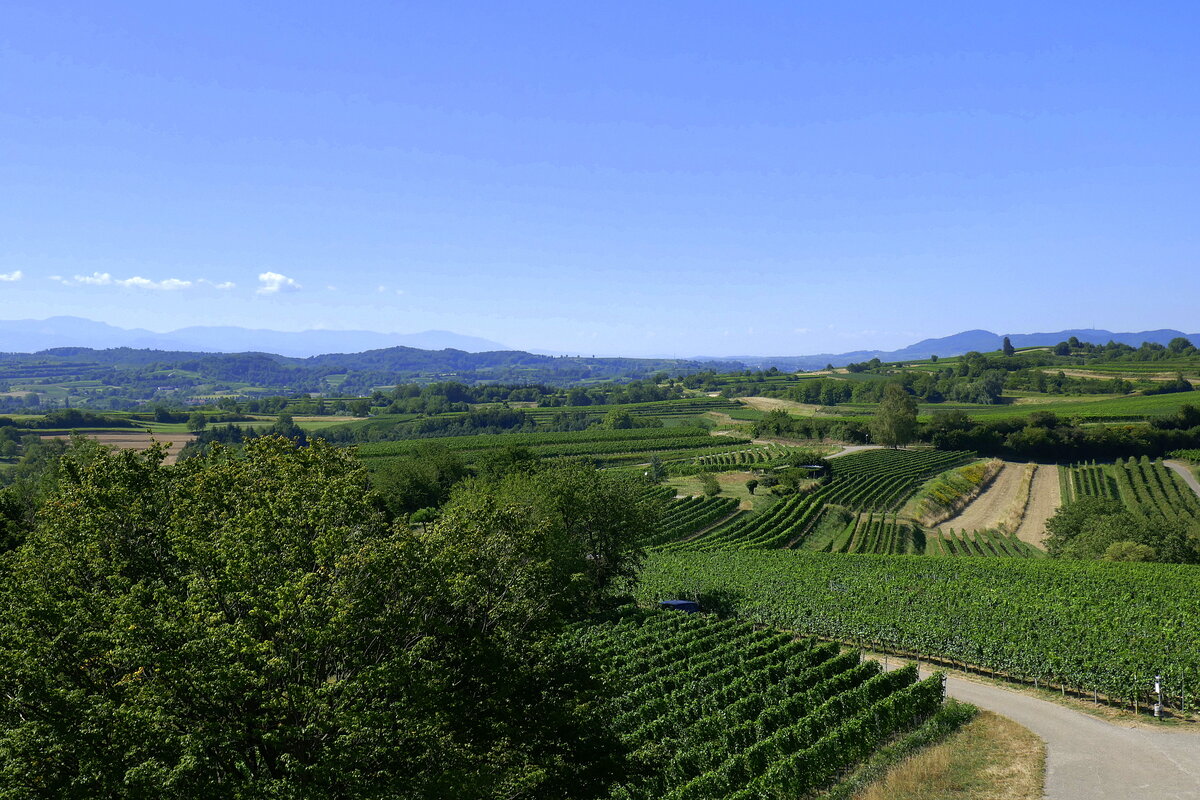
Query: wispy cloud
[[274, 283], [223, 285], [169, 285], [136, 282], [11, 277]]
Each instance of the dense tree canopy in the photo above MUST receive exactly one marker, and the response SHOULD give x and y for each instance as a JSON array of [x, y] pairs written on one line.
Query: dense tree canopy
[[246, 624]]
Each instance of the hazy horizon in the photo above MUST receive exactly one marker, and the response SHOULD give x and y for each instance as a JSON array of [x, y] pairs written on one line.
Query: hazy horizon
[[617, 179]]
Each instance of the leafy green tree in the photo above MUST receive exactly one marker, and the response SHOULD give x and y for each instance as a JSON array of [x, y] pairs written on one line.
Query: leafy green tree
[[246, 625], [710, 485], [751, 485], [422, 480], [598, 516], [895, 421], [1128, 551], [618, 419], [656, 471], [1007, 347], [196, 422]]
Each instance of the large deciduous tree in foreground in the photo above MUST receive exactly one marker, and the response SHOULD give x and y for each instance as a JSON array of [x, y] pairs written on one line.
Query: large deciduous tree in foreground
[[247, 625]]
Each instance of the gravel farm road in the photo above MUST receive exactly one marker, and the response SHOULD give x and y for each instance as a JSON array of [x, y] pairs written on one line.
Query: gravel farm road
[[1185, 473], [1090, 759]]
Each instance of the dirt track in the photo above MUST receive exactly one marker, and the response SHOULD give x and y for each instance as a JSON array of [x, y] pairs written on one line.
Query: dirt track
[[1182, 470], [774, 403], [986, 510], [1088, 758], [1045, 496]]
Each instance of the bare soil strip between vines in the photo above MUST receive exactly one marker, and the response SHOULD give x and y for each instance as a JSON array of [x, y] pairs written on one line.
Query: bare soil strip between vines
[[1045, 496], [990, 507]]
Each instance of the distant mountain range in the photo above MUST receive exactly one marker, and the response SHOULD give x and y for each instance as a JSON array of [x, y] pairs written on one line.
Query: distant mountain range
[[30, 336], [957, 344]]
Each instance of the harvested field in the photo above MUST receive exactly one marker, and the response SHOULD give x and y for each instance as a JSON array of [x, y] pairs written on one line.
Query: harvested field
[[773, 403], [139, 440], [1045, 497], [989, 508]]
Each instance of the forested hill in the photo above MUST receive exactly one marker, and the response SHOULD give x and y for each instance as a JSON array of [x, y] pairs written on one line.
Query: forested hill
[[349, 372]]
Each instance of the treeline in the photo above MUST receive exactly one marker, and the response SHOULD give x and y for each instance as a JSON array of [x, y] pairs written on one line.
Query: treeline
[[1040, 436], [1116, 351], [1044, 436]]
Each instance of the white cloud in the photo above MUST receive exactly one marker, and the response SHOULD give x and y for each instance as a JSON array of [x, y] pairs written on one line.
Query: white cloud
[[11, 277], [223, 285], [95, 279], [135, 282], [273, 283], [169, 285]]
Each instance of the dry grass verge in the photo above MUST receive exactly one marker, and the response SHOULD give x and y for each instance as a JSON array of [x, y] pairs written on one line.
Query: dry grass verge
[[1015, 515], [989, 758], [944, 495]]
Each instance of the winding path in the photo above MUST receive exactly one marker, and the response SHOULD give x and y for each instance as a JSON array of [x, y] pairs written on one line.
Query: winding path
[[1090, 759], [1185, 473]]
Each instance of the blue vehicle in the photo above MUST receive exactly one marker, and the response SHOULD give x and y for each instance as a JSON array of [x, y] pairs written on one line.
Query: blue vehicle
[[688, 606]]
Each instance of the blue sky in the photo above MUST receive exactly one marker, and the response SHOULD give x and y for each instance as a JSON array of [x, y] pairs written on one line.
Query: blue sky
[[633, 178]]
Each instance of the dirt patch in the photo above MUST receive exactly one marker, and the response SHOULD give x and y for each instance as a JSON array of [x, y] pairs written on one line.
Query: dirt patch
[[775, 403], [1050, 399], [1045, 496], [1150, 376], [140, 440], [990, 507]]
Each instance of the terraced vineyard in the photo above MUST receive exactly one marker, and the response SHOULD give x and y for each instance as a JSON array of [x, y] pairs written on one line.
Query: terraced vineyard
[[715, 708], [881, 480], [666, 410], [878, 533], [778, 526], [950, 542], [756, 457], [869, 481], [1145, 487], [688, 515], [1088, 625], [608, 447]]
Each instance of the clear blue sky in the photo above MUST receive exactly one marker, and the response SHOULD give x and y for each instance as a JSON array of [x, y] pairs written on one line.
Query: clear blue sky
[[634, 178]]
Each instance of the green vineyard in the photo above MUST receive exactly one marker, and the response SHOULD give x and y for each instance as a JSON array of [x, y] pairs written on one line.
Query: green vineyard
[[606, 447], [666, 410], [779, 526], [688, 515], [1087, 625], [950, 542], [713, 709], [876, 482], [881, 480], [1147, 488], [877, 533]]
